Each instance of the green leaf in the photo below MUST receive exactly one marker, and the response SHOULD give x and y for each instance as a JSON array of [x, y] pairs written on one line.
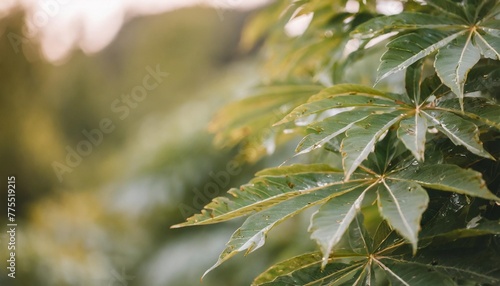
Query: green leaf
[[249, 120], [306, 270], [382, 237], [477, 265], [401, 22], [340, 96], [412, 274], [488, 44], [388, 149], [454, 62], [413, 81], [446, 177], [484, 78], [460, 131], [478, 10], [491, 26], [361, 139], [267, 100], [259, 25], [375, 211], [332, 220], [405, 50], [402, 204], [252, 234], [432, 85], [448, 7], [411, 132], [266, 191], [475, 227], [329, 128], [479, 109]]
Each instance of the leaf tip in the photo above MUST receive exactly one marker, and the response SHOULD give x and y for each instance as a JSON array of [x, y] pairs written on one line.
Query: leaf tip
[[461, 102], [209, 270], [179, 225], [278, 123], [324, 261], [414, 247]]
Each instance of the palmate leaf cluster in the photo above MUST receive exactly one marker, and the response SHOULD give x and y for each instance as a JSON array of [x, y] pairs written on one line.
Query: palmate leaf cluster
[[416, 200]]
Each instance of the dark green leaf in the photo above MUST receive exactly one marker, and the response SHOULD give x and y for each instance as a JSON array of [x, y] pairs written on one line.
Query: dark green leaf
[[402, 204], [413, 81], [412, 274], [460, 131], [448, 7], [476, 265], [479, 109]]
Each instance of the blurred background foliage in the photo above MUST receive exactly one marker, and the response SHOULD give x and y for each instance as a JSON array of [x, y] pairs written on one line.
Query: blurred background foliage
[[107, 222]]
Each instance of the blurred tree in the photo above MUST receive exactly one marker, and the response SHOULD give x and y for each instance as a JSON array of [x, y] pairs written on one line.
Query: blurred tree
[[112, 212]]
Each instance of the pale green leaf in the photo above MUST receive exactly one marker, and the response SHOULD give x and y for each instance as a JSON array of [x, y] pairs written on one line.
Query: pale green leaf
[[411, 132], [454, 62], [402, 204], [460, 131]]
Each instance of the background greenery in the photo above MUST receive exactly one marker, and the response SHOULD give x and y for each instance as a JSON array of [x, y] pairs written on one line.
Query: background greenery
[[113, 212]]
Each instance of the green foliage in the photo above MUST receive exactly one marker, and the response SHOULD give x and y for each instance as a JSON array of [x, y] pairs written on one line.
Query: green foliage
[[415, 202]]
